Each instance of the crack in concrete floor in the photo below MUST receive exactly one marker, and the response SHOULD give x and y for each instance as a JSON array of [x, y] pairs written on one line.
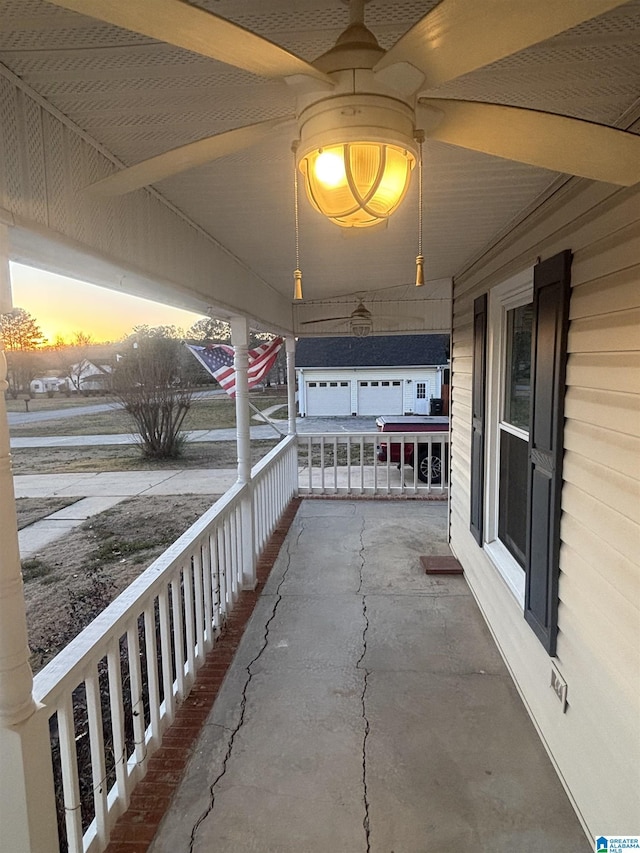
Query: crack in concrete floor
[[243, 702], [363, 695]]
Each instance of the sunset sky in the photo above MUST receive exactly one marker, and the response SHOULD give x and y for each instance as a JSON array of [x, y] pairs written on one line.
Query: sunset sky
[[62, 306]]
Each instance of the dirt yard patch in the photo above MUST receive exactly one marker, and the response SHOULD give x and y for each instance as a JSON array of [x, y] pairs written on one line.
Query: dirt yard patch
[[72, 580], [30, 510]]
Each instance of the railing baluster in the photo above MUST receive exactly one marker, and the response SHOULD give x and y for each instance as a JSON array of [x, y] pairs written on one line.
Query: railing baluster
[[70, 783], [116, 705], [153, 690], [198, 591], [166, 654], [98, 765], [178, 636], [137, 702], [222, 572], [207, 594], [189, 627]]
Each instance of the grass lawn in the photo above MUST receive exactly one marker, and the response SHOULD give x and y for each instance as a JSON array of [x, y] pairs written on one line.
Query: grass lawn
[[207, 413], [71, 460], [48, 404]]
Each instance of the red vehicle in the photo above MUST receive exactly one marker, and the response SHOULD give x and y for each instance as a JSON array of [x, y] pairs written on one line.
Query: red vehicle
[[426, 460]]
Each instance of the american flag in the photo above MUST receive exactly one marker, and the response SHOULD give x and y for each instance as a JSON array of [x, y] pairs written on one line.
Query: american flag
[[218, 360]]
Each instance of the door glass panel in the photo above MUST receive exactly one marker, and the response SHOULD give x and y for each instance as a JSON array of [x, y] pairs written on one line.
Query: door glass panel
[[517, 400]]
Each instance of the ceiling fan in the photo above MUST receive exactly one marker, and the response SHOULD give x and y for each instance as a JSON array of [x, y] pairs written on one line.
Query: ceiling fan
[[360, 118], [360, 321]]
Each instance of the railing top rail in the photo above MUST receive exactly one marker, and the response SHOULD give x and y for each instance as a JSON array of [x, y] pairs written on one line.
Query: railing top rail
[[346, 435], [68, 667]]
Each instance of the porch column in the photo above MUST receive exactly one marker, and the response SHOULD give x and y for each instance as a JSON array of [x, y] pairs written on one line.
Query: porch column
[[291, 383], [27, 803], [240, 341]]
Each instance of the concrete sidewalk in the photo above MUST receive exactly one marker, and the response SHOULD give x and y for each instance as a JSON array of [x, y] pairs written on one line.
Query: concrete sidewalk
[[368, 709], [99, 492]]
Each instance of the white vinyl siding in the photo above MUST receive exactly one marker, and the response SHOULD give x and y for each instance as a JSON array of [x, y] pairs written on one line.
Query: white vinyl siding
[[596, 744]]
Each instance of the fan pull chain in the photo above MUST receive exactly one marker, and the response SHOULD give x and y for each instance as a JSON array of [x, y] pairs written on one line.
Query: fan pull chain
[[297, 273], [420, 256]]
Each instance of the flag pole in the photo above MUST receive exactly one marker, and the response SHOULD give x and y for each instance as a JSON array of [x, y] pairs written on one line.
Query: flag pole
[[268, 420]]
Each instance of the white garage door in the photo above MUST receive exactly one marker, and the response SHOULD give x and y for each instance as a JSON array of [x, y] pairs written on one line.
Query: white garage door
[[328, 398], [380, 397]]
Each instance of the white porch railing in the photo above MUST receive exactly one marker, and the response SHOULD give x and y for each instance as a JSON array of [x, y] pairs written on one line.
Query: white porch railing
[[347, 464], [111, 693]]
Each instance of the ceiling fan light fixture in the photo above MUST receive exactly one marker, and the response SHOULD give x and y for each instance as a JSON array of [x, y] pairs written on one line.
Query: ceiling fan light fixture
[[357, 184], [361, 328]]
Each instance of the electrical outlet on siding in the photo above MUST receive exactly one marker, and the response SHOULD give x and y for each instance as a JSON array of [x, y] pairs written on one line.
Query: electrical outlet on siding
[[559, 687]]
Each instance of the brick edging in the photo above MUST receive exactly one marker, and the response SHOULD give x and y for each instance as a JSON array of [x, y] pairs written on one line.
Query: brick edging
[[136, 828]]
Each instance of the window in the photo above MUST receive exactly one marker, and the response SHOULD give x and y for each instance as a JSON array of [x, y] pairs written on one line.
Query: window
[[385, 384], [396, 384], [507, 409], [312, 384], [513, 434], [421, 390], [518, 385], [333, 384], [344, 384], [374, 384]]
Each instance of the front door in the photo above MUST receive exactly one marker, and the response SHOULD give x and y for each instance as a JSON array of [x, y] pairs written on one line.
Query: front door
[[421, 404]]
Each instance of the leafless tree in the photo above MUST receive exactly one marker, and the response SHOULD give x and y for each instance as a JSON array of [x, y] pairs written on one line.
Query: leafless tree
[[209, 330], [20, 336], [150, 383]]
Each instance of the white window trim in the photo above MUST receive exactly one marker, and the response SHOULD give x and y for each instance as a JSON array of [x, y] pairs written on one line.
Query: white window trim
[[512, 293]]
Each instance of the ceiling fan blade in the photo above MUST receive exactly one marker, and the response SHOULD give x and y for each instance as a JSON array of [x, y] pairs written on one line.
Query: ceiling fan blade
[[183, 25], [185, 157], [324, 320], [550, 141], [457, 36]]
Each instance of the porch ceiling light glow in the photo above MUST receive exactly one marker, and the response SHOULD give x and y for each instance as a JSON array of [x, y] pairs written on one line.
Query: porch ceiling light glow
[[357, 184]]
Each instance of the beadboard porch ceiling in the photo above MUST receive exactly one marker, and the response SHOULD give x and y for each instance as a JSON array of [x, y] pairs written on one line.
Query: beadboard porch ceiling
[[138, 98]]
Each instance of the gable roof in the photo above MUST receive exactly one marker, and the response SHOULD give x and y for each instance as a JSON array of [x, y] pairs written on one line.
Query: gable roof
[[374, 351]]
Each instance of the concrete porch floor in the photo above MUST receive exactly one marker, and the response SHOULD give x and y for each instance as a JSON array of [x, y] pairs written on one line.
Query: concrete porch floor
[[368, 709]]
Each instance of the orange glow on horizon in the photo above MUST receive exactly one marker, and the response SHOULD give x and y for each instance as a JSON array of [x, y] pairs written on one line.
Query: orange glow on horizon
[[62, 306]]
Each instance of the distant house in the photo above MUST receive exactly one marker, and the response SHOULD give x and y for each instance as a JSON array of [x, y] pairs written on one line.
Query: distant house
[[85, 377], [378, 375], [51, 381]]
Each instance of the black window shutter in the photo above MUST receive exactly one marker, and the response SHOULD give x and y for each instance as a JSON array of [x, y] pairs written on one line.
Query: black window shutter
[[551, 293], [478, 415]]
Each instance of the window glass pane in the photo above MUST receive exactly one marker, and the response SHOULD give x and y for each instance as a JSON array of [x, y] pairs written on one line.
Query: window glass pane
[[517, 402], [512, 512]]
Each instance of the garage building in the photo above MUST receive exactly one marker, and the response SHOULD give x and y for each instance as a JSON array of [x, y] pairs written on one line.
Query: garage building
[[379, 375]]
